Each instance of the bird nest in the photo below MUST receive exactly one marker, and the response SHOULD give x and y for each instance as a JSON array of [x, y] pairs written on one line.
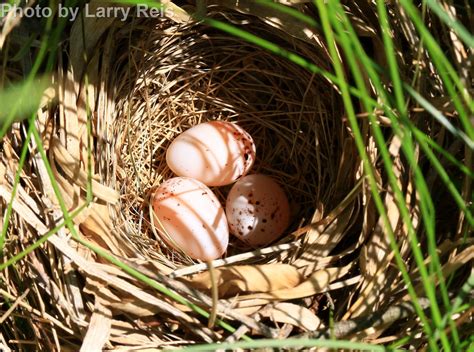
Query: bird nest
[[141, 84], [178, 76]]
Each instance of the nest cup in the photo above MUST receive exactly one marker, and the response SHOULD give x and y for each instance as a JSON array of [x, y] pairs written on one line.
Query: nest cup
[[176, 76]]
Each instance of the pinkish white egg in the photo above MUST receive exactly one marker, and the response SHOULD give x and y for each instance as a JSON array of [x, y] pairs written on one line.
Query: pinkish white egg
[[257, 210], [190, 218], [216, 153]]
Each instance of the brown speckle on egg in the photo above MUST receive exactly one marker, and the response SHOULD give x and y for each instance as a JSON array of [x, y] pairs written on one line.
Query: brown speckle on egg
[[257, 199]]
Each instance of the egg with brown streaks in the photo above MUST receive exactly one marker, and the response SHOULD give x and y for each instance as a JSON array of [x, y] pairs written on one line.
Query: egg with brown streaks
[[189, 217], [257, 210], [216, 153]]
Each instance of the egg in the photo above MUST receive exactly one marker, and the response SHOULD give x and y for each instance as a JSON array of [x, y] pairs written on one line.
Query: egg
[[257, 210], [216, 153], [190, 218]]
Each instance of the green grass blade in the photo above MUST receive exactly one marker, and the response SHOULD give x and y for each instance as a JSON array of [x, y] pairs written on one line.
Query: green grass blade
[[446, 71], [27, 85], [457, 26], [22, 99], [426, 203], [266, 44], [420, 181], [16, 181], [290, 11], [13, 260], [461, 297], [438, 115], [409, 152], [444, 176], [289, 343], [421, 137], [345, 42], [391, 59], [152, 283]]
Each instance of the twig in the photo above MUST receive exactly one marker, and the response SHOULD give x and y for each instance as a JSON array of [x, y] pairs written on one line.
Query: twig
[[30, 309], [215, 295], [242, 330], [234, 259], [345, 328], [13, 306], [200, 298]]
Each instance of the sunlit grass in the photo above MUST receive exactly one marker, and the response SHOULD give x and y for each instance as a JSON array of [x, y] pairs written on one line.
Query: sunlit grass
[[339, 35]]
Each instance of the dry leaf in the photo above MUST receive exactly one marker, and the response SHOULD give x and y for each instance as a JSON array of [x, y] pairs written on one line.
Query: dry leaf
[[72, 168], [124, 332], [293, 314], [316, 283], [193, 269], [175, 12], [451, 266], [322, 240], [274, 18], [249, 278], [376, 254], [99, 329]]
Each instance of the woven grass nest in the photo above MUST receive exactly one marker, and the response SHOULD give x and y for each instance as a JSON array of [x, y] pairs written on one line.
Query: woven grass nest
[[185, 75], [146, 81]]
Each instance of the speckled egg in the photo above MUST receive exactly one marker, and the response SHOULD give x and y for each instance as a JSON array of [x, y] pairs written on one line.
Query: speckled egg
[[190, 218], [216, 153], [257, 210]]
